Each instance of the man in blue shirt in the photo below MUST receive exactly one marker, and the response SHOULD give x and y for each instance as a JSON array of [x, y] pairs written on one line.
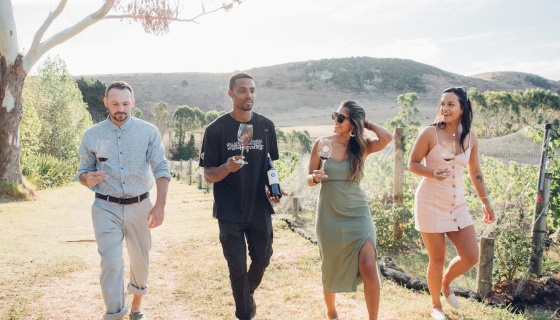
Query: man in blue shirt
[[122, 208]]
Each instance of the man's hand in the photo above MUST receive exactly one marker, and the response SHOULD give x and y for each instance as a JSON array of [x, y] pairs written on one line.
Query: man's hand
[[276, 199], [91, 179], [234, 163], [155, 217]]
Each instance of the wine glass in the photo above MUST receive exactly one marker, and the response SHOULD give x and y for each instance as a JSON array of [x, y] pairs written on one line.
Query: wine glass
[[448, 150], [244, 136], [102, 152], [324, 150]]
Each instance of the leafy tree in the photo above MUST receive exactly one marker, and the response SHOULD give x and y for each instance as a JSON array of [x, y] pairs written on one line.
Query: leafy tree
[[60, 109], [93, 93], [162, 117], [138, 113], [182, 123], [154, 16], [191, 151], [407, 117], [501, 113], [299, 142], [30, 126], [211, 116]]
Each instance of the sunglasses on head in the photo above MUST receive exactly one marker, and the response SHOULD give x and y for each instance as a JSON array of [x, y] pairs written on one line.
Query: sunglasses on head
[[339, 117], [463, 88]]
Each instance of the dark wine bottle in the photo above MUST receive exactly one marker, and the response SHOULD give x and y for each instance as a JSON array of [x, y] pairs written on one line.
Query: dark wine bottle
[[273, 181]]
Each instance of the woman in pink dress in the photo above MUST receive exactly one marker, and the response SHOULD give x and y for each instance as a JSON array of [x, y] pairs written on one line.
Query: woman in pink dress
[[440, 207]]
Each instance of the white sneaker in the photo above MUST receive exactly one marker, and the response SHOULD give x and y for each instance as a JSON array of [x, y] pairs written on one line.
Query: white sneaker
[[438, 315], [453, 301]]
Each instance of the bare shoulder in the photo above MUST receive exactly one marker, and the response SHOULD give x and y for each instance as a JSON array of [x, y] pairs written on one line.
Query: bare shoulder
[[428, 133]]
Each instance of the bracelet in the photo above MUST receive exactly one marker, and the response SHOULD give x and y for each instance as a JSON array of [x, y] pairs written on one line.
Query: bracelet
[[482, 198]]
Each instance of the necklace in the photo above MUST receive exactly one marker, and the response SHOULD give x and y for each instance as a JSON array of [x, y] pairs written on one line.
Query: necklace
[[452, 133]]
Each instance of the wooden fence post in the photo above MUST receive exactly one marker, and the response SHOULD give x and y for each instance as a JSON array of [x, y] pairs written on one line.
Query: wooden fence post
[[199, 181], [189, 171], [541, 207], [539, 227], [295, 207], [485, 265], [398, 177]]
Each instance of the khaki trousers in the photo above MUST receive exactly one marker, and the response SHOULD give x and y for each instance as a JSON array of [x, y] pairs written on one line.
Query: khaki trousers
[[112, 224]]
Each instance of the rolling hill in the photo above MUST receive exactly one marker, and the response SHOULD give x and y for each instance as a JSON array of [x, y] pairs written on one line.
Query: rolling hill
[[305, 93]]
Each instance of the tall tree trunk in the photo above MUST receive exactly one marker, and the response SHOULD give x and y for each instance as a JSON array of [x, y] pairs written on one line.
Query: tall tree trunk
[[12, 77]]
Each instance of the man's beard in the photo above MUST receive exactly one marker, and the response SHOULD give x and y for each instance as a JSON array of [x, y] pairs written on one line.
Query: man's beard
[[120, 114]]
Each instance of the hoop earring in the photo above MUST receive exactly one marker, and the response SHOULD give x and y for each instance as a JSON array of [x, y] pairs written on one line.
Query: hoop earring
[[352, 134]]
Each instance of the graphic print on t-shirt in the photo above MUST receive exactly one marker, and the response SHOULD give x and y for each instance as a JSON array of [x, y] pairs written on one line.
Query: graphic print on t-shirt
[[253, 145]]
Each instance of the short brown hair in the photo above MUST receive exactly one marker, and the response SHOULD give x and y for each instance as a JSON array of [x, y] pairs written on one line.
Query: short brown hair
[[121, 85], [239, 75]]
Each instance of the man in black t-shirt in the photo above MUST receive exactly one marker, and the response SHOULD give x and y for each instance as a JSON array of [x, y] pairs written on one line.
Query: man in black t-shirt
[[241, 202]]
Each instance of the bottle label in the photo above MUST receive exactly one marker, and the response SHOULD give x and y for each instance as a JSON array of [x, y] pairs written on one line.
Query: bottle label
[[273, 177]]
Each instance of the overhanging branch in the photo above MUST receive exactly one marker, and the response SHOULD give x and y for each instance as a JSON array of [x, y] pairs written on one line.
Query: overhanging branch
[[66, 34], [46, 24]]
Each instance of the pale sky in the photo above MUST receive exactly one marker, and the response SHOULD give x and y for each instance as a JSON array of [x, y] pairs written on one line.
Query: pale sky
[[459, 36]]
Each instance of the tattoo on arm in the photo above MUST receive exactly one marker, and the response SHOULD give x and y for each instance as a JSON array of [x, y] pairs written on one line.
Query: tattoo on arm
[[480, 178]]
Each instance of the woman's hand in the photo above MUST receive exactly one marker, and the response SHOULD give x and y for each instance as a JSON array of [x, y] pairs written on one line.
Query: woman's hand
[[489, 216], [440, 174], [318, 175]]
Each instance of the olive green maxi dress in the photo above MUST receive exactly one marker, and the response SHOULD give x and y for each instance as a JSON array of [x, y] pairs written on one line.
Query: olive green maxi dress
[[343, 225]]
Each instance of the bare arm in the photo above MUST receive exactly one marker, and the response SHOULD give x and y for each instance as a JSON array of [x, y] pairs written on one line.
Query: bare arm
[[156, 215], [477, 179], [383, 137], [216, 174], [315, 175], [423, 144]]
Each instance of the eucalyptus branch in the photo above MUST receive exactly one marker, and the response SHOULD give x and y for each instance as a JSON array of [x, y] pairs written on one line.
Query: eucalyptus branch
[[66, 34], [46, 24]]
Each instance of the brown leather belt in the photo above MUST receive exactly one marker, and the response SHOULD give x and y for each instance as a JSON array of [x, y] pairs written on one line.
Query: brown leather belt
[[122, 200]]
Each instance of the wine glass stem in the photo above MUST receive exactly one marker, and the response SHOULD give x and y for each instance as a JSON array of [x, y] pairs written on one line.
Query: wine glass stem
[[322, 163]]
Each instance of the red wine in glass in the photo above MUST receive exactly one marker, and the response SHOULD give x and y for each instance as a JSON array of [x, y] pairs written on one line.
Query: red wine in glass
[[324, 150], [102, 153], [448, 150]]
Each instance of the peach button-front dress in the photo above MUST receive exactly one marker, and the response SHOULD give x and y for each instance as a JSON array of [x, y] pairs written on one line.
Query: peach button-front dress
[[440, 206]]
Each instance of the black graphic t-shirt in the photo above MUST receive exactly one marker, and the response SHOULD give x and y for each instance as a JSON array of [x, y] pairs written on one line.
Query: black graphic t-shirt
[[242, 194]]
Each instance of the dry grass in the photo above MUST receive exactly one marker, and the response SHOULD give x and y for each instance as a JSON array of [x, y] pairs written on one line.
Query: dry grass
[[51, 267]]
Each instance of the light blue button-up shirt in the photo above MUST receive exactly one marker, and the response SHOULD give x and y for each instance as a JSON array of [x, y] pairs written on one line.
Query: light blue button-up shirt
[[136, 159]]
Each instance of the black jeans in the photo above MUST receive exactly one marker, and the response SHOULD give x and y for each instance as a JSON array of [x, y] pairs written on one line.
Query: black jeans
[[259, 241]]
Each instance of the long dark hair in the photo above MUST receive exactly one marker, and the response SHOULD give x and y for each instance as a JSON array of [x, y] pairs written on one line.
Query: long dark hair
[[466, 118], [357, 144]]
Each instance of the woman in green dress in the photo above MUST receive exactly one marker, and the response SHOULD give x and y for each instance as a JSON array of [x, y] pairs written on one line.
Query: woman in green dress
[[345, 229]]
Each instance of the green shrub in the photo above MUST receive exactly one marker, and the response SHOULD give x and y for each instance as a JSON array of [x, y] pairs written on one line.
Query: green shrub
[[45, 171]]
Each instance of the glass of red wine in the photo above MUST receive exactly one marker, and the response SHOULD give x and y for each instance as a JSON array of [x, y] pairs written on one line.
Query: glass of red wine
[[448, 150], [324, 150], [102, 152], [244, 136]]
